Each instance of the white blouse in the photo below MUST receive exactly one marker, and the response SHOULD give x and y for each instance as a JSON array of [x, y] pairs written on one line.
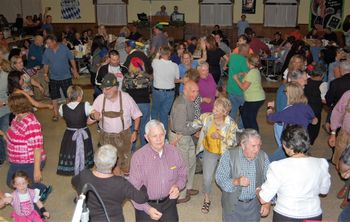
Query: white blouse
[[297, 183]]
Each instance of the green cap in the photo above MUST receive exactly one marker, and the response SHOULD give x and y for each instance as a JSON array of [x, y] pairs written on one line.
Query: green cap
[[109, 80], [159, 26]]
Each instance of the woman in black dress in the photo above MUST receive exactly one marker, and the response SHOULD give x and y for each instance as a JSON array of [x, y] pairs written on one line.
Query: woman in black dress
[[76, 151]]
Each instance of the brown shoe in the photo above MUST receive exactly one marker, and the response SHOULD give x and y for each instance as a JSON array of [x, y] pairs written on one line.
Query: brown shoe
[[183, 200], [342, 192], [344, 203], [192, 192]]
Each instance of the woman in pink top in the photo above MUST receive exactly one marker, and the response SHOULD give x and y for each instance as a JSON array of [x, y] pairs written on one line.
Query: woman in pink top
[[25, 143], [207, 88]]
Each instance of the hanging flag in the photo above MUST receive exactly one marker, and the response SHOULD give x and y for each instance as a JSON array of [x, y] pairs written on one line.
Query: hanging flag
[[70, 9]]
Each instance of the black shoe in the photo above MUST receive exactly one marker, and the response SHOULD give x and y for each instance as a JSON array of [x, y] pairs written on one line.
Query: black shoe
[[45, 194]]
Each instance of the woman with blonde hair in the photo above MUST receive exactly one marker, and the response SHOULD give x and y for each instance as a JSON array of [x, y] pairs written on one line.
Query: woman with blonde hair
[[218, 133], [76, 153], [297, 62], [254, 95], [297, 112], [27, 74]]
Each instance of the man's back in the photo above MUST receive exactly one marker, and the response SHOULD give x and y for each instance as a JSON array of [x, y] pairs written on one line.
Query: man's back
[[237, 64], [158, 41], [337, 88]]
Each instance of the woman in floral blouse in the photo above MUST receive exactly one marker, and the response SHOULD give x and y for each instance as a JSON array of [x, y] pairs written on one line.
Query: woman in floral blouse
[[217, 135]]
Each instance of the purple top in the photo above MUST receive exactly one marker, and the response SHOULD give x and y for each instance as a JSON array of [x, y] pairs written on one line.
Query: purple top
[[341, 113], [299, 114], [207, 88], [157, 173]]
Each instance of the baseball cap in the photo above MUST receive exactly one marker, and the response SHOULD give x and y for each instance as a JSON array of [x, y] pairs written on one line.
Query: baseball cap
[[109, 80]]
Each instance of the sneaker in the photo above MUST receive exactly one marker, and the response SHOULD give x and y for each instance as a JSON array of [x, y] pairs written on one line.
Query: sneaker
[[45, 194], [272, 78]]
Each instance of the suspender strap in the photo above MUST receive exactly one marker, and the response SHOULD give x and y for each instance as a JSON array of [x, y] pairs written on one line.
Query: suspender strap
[[121, 109], [103, 110], [113, 114]]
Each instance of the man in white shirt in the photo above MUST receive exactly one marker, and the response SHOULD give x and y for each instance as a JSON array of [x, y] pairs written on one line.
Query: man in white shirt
[[165, 74]]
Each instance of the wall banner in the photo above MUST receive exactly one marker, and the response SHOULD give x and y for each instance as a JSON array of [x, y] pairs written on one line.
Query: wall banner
[[70, 9]]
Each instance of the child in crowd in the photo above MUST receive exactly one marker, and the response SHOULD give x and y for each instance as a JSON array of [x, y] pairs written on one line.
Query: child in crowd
[[23, 200], [76, 151]]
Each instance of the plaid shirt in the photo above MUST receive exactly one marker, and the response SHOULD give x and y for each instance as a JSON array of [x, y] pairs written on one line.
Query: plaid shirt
[[24, 136]]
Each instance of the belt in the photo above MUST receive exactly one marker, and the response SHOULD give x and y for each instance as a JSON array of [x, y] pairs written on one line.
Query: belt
[[176, 133], [161, 200], [164, 90], [245, 201]]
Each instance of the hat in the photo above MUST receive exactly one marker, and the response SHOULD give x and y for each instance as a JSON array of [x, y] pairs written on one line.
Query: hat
[[318, 70], [109, 80], [131, 43], [137, 62], [159, 26]]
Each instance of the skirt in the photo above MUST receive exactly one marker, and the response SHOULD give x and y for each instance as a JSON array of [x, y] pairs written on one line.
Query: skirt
[[66, 162]]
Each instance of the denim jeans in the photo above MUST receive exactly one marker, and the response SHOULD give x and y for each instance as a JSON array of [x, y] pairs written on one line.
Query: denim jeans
[[236, 102], [161, 105], [249, 114], [279, 153], [345, 214], [145, 109], [4, 125], [27, 168], [210, 162]]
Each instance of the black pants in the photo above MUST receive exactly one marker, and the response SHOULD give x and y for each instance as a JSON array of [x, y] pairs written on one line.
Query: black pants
[[314, 130], [167, 208], [280, 218], [249, 114]]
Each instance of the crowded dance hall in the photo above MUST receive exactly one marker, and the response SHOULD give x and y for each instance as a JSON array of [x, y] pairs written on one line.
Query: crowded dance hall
[[174, 110]]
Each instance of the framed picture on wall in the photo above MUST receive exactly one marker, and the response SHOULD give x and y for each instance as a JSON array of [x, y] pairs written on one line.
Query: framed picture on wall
[[248, 6]]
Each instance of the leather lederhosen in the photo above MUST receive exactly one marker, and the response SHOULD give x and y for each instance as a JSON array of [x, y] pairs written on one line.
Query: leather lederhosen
[[119, 140]]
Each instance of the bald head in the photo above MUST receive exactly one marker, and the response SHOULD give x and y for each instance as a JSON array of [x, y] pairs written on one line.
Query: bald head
[[191, 90]]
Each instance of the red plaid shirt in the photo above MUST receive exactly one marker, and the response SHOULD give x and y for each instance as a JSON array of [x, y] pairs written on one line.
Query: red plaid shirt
[[24, 136]]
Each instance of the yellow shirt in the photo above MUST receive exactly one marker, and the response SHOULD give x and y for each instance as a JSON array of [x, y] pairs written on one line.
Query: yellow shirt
[[210, 144]]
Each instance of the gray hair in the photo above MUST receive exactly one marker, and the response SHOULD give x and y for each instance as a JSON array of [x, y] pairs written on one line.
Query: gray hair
[[345, 67], [246, 134], [295, 75], [153, 123], [203, 63], [105, 158]]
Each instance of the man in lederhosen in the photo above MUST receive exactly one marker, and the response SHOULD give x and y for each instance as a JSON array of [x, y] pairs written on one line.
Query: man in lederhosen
[[115, 110]]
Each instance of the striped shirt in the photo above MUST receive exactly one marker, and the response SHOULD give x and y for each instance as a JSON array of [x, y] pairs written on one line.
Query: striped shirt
[[24, 136], [157, 172], [223, 174]]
